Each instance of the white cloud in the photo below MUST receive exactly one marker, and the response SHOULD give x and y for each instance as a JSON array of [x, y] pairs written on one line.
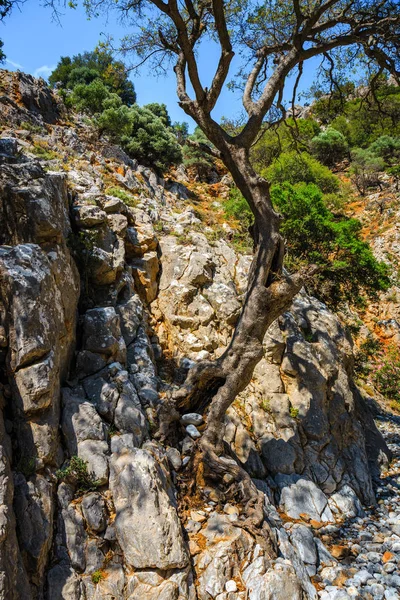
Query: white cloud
[[43, 71], [14, 64]]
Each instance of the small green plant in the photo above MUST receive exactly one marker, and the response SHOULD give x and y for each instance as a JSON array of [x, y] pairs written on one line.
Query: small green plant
[[294, 412], [77, 472], [26, 466], [97, 576], [387, 375], [122, 195], [158, 226], [30, 127], [112, 430], [44, 153], [369, 349], [365, 169], [309, 336], [265, 405]]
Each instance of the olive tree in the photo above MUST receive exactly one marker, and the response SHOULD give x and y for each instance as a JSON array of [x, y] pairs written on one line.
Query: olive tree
[[273, 40]]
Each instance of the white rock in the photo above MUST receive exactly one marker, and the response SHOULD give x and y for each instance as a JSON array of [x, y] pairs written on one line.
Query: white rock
[[192, 419], [231, 586], [193, 431]]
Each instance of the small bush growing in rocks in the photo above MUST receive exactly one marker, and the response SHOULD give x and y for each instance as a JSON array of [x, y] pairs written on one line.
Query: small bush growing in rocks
[[77, 473]]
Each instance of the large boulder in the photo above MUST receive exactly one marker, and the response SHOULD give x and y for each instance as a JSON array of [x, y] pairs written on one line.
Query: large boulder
[[147, 525]]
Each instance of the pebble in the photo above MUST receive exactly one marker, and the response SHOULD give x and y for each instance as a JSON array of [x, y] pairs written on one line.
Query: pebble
[[368, 547], [191, 419], [231, 586], [193, 431]]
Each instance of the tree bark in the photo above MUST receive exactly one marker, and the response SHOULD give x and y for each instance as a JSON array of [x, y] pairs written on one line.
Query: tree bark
[[215, 384]]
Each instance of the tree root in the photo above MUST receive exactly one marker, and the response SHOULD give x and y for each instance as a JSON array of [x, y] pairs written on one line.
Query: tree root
[[235, 484]]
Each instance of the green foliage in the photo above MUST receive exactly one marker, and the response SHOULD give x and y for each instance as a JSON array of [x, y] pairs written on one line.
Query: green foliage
[[116, 122], [387, 147], [77, 473], [27, 126], [294, 412], [160, 110], [237, 207], [98, 64], [288, 136], [44, 152], [329, 106], [89, 97], [194, 156], [122, 195], [97, 576], [395, 173], [2, 55], [314, 235], [365, 167], [26, 466], [294, 168], [266, 405], [329, 146], [387, 375], [361, 120], [367, 351], [150, 141], [181, 130]]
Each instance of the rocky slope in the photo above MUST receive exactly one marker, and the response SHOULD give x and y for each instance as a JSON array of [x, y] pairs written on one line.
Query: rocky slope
[[111, 286]]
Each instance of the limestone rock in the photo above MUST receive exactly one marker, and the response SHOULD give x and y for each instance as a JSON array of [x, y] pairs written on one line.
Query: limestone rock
[[34, 513], [94, 511], [87, 215], [301, 496], [142, 494], [145, 272], [63, 583]]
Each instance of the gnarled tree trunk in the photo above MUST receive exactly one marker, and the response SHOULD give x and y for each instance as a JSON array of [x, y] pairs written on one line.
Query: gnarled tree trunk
[[214, 385]]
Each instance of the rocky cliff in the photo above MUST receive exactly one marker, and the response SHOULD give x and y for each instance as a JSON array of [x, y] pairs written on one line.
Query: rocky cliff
[[111, 287]]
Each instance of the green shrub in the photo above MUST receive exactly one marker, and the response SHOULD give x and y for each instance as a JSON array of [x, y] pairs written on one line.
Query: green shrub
[[122, 195], [44, 152], [150, 141], [314, 235], [329, 147], [76, 471], [395, 173], [387, 147], [387, 375], [116, 122], [98, 64], [366, 354], [294, 168], [160, 110], [365, 167], [181, 131], [197, 158], [89, 97], [237, 207], [288, 136]]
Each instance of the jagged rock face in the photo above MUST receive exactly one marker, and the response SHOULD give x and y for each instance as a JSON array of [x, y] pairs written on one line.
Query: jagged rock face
[[300, 408], [28, 99], [39, 291], [92, 299]]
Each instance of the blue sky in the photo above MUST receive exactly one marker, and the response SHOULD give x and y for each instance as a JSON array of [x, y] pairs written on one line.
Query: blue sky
[[34, 42]]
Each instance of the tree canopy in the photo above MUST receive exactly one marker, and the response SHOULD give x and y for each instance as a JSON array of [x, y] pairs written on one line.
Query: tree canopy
[[99, 64]]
